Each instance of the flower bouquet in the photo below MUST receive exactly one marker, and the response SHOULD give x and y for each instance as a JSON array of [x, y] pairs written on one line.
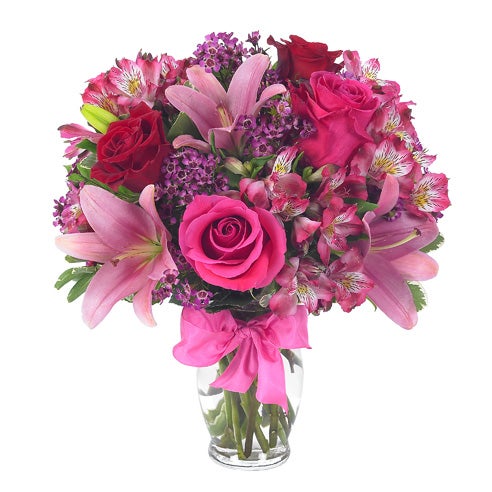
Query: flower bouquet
[[252, 192]]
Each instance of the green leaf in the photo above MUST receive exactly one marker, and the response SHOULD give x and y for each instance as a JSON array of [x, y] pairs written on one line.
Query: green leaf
[[74, 274], [127, 195], [87, 145], [362, 206], [182, 126], [437, 243], [72, 259], [257, 164], [85, 165], [419, 297], [76, 178], [79, 287]]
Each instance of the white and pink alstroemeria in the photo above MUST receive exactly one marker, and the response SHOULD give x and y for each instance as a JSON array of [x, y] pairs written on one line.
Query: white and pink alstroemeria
[[339, 221], [214, 111], [136, 80], [392, 255], [350, 285], [131, 82], [130, 241], [430, 194], [300, 284]]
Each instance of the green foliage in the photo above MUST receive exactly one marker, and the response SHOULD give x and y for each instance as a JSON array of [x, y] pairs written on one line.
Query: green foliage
[[419, 297], [183, 125], [437, 243], [85, 165], [87, 145], [80, 275], [256, 164]]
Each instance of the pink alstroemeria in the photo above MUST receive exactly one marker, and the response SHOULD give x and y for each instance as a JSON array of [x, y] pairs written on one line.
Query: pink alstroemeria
[[430, 194], [299, 284], [339, 221], [392, 255], [130, 241], [74, 134], [215, 111]]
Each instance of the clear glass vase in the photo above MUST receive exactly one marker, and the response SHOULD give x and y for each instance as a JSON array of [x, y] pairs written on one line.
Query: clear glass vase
[[246, 433]]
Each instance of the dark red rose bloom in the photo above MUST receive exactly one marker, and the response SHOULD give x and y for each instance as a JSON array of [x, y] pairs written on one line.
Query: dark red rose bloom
[[131, 152], [298, 58]]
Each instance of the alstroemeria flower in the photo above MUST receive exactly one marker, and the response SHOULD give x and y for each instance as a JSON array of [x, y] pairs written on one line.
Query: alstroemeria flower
[[299, 284], [215, 111], [392, 255], [339, 221], [130, 241]]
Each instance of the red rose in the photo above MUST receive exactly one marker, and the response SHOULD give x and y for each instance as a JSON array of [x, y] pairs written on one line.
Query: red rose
[[298, 58], [340, 110], [132, 150], [231, 245]]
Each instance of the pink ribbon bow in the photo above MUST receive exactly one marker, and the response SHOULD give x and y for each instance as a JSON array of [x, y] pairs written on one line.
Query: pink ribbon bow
[[206, 338]]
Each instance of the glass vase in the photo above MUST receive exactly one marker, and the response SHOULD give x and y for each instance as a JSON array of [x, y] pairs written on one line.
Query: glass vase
[[246, 433]]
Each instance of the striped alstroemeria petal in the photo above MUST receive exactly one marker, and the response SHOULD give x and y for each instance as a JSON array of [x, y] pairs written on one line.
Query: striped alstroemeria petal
[[431, 193]]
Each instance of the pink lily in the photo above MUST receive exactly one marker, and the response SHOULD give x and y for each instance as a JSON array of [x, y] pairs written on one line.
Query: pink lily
[[215, 111], [130, 241], [392, 255]]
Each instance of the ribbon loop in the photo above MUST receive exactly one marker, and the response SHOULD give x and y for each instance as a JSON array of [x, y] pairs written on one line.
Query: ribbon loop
[[206, 338]]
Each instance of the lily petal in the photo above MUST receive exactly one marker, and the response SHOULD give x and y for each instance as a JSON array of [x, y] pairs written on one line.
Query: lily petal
[[268, 93], [243, 90], [106, 213], [389, 195], [189, 141], [147, 202], [207, 84], [85, 246], [390, 293], [384, 233], [110, 284], [416, 266], [199, 107], [142, 304]]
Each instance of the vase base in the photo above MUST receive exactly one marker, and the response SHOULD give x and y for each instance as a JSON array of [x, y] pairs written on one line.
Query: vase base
[[256, 461]]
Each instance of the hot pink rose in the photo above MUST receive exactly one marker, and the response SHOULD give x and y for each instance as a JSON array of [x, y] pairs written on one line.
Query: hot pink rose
[[231, 245], [340, 109]]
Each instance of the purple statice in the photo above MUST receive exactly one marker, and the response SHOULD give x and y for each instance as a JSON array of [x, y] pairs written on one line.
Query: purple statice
[[185, 174], [221, 51], [273, 128], [395, 213], [188, 296], [164, 287], [306, 129], [68, 212]]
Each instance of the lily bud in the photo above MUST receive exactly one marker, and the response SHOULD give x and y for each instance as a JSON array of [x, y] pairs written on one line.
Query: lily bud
[[98, 117], [235, 166]]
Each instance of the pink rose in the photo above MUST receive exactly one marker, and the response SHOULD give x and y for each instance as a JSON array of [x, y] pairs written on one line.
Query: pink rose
[[231, 245], [340, 109]]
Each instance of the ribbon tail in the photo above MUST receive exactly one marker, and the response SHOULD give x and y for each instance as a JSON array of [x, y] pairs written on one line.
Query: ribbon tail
[[241, 371], [271, 376]]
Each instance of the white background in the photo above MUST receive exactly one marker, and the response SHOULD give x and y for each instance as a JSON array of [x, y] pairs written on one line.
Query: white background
[[108, 409]]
